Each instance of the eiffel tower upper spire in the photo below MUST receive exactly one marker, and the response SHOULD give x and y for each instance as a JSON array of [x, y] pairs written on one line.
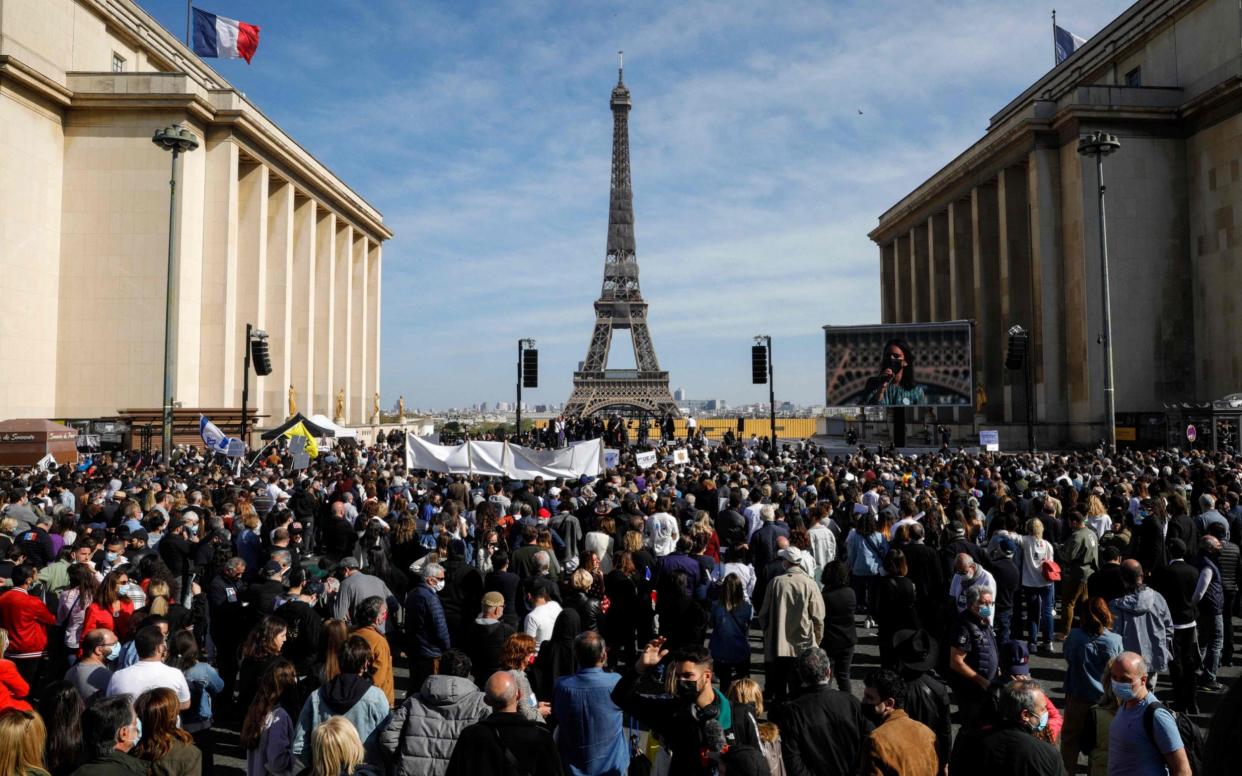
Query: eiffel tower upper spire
[[620, 268]]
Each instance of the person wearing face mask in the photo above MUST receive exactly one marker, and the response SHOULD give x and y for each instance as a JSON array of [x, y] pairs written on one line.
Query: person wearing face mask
[[91, 674], [1009, 744], [973, 657], [967, 573], [695, 722], [110, 731], [1143, 738], [427, 635], [898, 744]]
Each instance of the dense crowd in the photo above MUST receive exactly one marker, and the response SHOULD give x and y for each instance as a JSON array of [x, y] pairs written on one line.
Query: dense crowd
[[604, 626]]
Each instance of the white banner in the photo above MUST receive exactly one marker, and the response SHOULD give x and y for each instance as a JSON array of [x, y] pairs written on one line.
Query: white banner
[[645, 460], [503, 459]]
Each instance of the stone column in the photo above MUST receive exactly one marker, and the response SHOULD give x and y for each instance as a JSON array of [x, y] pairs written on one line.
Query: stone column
[[279, 298], [374, 259], [1017, 300], [902, 286], [220, 361], [888, 283], [358, 360], [940, 278], [324, 289], [252, 191], [986, 240], [920, 274], [961, 260], [1048, 277], [303, 309], [344, 315]]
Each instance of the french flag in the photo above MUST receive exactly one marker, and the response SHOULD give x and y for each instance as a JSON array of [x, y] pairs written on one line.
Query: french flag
[[216, 36]]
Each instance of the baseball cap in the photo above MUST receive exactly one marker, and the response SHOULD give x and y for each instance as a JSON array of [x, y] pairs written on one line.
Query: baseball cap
[[271, 568], [790, 555], [1015, 658], [349, 562]]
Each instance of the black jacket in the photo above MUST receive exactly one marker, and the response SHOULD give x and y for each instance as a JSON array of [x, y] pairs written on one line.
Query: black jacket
[[822, 732], [482, 644], [683, 731], [840, 632], [462, 595], [339, 538], [481, 749], [1106, 583], [1177, 584], [927, 701], [305, 632], [1008, 750], [1008, 579], [114, 763]]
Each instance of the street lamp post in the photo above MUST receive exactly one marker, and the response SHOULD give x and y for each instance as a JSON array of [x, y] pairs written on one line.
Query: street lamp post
[[177, 139], [1101, 144]]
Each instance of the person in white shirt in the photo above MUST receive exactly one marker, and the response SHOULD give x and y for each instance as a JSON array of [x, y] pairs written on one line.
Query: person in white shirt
[[823, 541], [968, 574], [662, 532], [543, 613], [150, 672]]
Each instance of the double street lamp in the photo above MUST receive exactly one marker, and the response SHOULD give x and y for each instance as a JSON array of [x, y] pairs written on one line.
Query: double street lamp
[[179, 140], [1100, 144]]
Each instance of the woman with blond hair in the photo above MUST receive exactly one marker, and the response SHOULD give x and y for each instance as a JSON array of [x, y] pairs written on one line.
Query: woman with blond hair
[[169, 749], [1098, 519], [1033, 566], [336, 750], [747, 691], [22, 735]]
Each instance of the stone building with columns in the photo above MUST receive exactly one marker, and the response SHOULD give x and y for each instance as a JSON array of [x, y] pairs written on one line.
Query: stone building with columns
[[1007, 232], [268, 234]]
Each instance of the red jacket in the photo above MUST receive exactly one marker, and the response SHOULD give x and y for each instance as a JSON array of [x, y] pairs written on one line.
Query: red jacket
[[99, 617], [26, 618], [13, 688]]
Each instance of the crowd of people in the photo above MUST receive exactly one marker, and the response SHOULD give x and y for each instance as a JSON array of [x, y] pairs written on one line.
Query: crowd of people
[[609, 626]]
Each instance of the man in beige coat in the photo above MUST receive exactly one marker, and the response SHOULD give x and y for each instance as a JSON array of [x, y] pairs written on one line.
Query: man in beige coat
[[792, 618]]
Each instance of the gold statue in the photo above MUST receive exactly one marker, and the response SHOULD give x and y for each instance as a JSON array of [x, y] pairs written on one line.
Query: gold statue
[[339, 414], [375, 407], [400, 408], [981, 397], [293, 401]]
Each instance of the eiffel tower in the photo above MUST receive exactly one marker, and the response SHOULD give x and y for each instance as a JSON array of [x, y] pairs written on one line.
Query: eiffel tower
[[643, 390]]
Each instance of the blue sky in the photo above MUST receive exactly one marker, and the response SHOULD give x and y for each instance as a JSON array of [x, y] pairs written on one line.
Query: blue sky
[[482, 132]]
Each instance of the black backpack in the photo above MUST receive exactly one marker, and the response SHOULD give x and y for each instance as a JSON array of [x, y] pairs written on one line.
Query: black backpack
[[1191, 734]]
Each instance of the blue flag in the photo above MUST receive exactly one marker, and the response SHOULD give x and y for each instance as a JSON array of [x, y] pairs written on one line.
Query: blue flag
[[1066, 42], [216, 441]]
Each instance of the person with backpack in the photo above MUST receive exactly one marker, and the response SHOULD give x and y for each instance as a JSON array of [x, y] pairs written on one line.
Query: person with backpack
[[1145, 737]]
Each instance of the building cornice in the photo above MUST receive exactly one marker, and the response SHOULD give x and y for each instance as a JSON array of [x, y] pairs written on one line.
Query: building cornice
[[223, 103], [42, 87], [220, 108]]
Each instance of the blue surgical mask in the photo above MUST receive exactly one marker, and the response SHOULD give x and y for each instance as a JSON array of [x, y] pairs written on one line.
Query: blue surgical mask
[[111, 556], [1123, 690], [138, 725], [115, 651], [985, 611], [1043, 721], [192, 529]]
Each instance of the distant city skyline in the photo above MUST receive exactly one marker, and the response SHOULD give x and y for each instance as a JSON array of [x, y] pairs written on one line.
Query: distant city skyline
[[765, 141]]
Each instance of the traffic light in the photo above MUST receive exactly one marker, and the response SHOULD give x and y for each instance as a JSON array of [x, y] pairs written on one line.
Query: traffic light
[[1018, 340], [530, 368], [259, 354]]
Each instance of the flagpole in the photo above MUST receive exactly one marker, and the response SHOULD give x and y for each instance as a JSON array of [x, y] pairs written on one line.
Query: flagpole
[[1054, 38], [189, 11]]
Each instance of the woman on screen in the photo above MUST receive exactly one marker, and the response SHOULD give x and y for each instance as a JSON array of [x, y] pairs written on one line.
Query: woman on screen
[[894, 385]]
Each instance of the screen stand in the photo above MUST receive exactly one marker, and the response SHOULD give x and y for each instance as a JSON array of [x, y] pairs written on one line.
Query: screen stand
[[899, 426]]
